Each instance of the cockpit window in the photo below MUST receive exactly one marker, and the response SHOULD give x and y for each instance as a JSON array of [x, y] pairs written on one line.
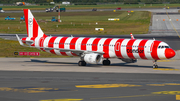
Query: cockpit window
[[163, 47]]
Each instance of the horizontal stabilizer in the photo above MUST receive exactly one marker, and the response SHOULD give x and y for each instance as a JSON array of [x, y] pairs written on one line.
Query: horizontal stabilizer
[[20, 41]]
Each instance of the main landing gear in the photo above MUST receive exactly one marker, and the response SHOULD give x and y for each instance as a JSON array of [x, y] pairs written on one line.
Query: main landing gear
[[106, 62], [82, 63], [155, 64]]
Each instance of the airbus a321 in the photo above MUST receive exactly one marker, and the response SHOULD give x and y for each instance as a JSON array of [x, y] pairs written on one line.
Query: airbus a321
[[95, 50]]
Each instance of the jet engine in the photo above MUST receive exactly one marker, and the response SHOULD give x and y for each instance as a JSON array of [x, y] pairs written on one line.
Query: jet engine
[[92, 58], [129, 60]]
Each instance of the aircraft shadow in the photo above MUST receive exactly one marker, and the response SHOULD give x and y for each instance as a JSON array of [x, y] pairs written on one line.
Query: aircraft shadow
[[97, 65], [44, 61]]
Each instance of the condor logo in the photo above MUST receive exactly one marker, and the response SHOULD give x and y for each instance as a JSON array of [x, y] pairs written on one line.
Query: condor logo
[[30, 21], [134, 51]]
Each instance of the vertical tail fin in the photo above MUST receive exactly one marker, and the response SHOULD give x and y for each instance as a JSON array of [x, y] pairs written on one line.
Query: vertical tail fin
[[33, 29]]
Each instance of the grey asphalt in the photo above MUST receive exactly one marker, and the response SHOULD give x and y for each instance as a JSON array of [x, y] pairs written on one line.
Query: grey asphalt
[[169, 25], [37, 86]]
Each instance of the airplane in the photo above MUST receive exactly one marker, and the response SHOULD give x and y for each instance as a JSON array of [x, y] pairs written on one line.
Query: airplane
[[93, 50]]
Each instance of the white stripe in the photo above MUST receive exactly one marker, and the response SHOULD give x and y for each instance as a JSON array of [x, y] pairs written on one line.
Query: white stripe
[[37, 39], [147, 50], [123, 48], [78, 43], [30, 25], [67, 45], [111, 48], [136, 44], [45, 44], [89, 44], [56, 45], [100, 44], [161, 51], [40, 32], [27, 39]]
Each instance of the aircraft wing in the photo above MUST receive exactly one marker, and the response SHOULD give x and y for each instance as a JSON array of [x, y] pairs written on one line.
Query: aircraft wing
[[72, 50]]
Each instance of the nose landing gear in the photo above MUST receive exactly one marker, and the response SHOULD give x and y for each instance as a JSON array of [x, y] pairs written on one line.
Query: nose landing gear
[[155, 64]]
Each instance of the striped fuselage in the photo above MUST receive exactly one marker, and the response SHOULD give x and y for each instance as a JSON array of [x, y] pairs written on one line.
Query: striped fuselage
[[112, 47]]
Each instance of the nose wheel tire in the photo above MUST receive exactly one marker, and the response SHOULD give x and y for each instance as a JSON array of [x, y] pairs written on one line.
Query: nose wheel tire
[[82, 63], [106, 62], [155, 66]]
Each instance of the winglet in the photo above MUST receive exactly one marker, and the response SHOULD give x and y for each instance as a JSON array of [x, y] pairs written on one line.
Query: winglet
[[132, 37], [20, 41]]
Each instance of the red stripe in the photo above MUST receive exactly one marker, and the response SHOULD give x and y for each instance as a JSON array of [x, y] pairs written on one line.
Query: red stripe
[[73, 44], [154, 50], [26, 19], [51, 44], [23, 40], [35, 28], [61, 45], [141, 48], [95, 44], [129, 48], [44, 35], [83, 43], [106, 48], [118, 53]]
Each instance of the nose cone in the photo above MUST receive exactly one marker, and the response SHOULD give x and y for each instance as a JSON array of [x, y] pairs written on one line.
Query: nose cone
[[169, 53]]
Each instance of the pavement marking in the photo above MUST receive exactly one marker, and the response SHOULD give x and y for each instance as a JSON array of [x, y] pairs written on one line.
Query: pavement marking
[[106, 86], [170, 69], [165, 60], [171, 84], [177, 97], [62, 100], [127, 96], [167, 92], [172, 25], [31, 89]]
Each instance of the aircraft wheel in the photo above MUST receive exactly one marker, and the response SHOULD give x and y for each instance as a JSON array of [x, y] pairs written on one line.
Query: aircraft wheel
[[82, 63], [106, 62], [155, 66]]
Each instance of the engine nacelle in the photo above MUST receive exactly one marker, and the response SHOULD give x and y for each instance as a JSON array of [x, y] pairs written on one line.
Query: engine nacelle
[[129, 60], [92, 58]]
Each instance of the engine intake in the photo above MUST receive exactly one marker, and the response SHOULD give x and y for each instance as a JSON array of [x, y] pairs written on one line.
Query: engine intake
[[92, 58]]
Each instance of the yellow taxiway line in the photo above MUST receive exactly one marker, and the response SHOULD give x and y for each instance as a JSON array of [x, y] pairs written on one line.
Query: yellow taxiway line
[[62, 100]]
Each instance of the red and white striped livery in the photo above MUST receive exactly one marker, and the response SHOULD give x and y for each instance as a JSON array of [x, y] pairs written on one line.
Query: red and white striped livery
[[95, 50]]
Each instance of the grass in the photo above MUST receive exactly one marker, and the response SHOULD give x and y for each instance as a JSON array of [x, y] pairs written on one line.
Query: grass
[[107, 6], [8, 47], [82, 23]]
